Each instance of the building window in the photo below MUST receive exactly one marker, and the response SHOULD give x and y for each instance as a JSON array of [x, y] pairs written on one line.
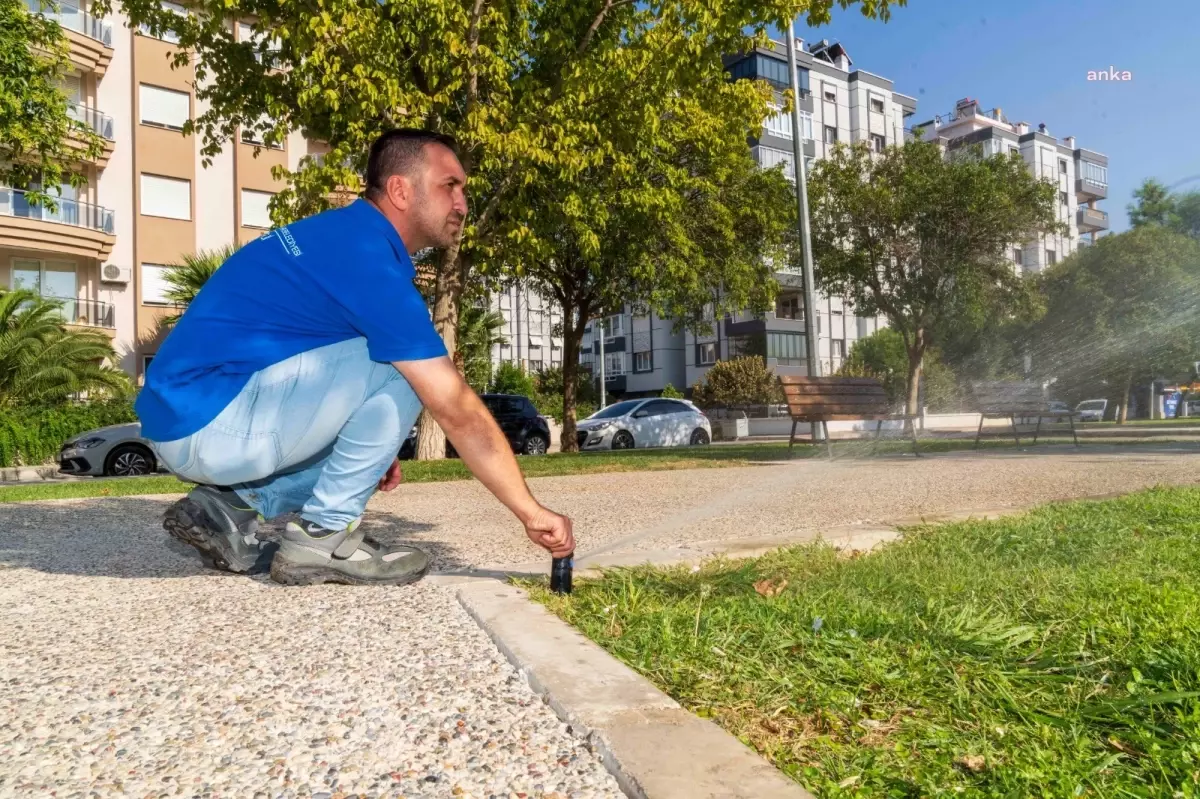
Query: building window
[[1013, 149], [830, 134], [1094, 173], [1051, 257], [878, 142], [830, 94], [1062, 166], [789, 307], [706, 354], [769, 157], [614, 326], [167, 35], [837, 348], [163, 108], [614, 364], [787, 349], [166, 197], [778, 124], [256, 209], [154, 284], [1062, 197], [643, 362], [256, 136], [1018, 256], [877, 105]]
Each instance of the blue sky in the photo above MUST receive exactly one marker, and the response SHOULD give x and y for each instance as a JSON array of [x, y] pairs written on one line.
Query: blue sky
[[1031, 58]]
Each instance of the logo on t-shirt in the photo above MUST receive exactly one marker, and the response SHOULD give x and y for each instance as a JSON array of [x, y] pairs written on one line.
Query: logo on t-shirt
[[285, 238]]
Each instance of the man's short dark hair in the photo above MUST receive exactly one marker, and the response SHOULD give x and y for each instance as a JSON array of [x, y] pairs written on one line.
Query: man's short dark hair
[[399, 152]]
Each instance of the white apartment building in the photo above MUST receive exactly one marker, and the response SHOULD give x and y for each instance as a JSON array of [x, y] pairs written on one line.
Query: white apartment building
[[1080, 175], [530, 321], [148, 201]]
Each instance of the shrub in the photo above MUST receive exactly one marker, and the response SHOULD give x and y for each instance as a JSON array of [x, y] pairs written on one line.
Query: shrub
[[738, 382], [670, 392], [882, 355], [511, 378], [33, 436]]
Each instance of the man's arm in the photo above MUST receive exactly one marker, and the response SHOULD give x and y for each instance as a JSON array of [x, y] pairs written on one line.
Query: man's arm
[[484, 449]]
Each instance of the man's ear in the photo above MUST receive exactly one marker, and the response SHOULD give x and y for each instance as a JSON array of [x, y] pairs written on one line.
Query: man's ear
[[399, 191]]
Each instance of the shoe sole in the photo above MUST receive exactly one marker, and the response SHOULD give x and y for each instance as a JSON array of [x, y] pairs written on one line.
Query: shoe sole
[[286, 573], [185, 522]]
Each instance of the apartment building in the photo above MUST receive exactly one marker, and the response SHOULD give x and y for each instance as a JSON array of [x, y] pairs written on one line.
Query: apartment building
[[1080, 175], [530, 322], [149, 200], [838, 103]]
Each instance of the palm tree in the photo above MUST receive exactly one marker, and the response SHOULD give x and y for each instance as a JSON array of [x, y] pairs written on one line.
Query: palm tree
[[478, 332], [185, 280], [41, 361]]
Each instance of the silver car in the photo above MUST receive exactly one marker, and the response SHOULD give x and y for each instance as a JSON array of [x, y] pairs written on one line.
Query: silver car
[[113, 451], [641, 423]]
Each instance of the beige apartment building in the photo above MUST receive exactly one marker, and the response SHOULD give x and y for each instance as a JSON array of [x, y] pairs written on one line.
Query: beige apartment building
[[149, 200]]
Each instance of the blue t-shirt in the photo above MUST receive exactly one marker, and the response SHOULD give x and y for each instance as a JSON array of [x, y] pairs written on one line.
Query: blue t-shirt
[[335, 276]]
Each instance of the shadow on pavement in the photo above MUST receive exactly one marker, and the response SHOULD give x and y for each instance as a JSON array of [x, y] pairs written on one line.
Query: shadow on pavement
[[123, 537]]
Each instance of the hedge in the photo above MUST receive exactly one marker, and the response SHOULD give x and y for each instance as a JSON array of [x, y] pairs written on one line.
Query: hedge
[[33, 436]]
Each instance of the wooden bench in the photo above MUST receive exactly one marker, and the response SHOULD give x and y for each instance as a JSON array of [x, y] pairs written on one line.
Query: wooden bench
[[820, 400], [1016, 400]]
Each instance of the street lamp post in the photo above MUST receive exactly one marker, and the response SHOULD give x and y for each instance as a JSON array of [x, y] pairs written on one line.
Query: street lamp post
[[802, 220]]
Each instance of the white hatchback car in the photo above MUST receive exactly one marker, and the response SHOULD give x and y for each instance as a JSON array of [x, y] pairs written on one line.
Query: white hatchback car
[[652, 422]]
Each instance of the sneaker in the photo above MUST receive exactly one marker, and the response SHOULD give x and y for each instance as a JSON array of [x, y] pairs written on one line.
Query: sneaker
[[310, 554], [217, 522]]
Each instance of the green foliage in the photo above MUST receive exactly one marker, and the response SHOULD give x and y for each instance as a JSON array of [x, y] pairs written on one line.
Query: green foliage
[[184, 280], [478, 331], [924, 239], [42, 145], [511, 378], [1155, 205], [1120, 311], [1052, 654], [30, 436], [42, 362], [670, 392], [737, 382], [882, 355]]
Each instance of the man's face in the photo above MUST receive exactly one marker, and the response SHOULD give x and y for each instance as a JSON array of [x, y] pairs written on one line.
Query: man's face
[[439, 206]]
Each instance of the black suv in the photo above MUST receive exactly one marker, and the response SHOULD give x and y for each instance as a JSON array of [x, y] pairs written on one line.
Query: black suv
[[526, 431]]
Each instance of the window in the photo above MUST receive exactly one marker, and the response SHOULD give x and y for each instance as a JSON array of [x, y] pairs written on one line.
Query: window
[[614, 364], [614, 326], [1013, 149], [255, 210], [779, 124], [1062, 197], [769, 157], [1051, 257], [1094, 173], [878, 142], [830, 134], [706, 354], [163, 108], [786, 348], [154, 284], [1018, 256], [1062, 166], [662, 408], [167, 35], [789, 307], [643, 362], [256, 134], [830, 94], [166, 197], [837, 348], [877, 105]]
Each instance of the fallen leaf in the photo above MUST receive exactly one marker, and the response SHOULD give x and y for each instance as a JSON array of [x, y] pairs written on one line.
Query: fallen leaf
[[770, 587], [973, 763], [1121, 746], [846, 783]]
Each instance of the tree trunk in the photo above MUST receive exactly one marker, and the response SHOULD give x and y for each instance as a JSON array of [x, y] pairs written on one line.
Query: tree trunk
[[451, 271], [1124, 415], [574, 321], [916, 358]]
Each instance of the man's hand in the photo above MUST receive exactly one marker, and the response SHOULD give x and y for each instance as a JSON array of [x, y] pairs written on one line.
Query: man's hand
[[551, 531], [392, 478]]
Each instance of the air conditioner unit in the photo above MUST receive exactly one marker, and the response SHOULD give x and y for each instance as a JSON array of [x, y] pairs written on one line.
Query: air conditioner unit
[[112, 273]]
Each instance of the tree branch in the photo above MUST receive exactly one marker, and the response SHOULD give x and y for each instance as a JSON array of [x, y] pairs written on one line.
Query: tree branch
[[473, 48], [609, 5], [494, 201]]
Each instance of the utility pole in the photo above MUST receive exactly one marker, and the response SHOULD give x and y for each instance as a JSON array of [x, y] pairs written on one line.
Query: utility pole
[[603, 398], [802, 220]]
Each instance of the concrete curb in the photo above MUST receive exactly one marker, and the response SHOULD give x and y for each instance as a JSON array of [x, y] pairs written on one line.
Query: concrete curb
[[653, 747], [32, 474]]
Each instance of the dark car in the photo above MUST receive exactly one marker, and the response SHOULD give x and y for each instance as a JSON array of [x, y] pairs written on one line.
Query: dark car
[[526, 431]]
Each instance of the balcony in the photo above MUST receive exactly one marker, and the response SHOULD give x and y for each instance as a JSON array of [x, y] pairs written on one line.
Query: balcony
[[1091, 220], [99, 122], [71, 228], [90, 39], [87, 314], [1088, 189]]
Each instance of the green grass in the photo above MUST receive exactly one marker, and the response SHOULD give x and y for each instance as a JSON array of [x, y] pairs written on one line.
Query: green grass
[[543, 466], [1055, 654]]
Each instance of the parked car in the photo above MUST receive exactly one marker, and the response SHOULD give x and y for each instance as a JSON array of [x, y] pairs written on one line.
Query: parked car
[[527, 432], [640, 423], [116, 451], [1091, 410]]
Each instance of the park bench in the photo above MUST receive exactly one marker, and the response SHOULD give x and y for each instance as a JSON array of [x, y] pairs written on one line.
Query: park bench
[[821, 400], [1016, 400]]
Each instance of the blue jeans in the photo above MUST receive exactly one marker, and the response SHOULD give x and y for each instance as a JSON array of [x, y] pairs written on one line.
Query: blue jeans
[[314, 433]]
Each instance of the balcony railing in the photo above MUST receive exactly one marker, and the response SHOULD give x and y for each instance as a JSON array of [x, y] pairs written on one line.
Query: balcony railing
[[101, 123], [90, 313], [74, 18], [68, 212]]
